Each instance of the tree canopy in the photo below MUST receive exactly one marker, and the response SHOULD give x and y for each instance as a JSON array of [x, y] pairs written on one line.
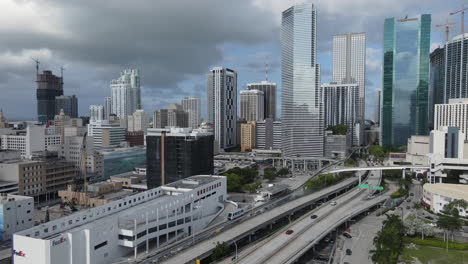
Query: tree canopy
[[339, 129]]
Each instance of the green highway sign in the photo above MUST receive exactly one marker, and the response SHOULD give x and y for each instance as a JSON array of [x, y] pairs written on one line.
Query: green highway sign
[[378, 187], [363, 186]]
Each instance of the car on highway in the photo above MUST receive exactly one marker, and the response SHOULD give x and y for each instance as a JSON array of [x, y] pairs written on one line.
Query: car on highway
[[429, 217], [408, 207], [409, 200], [347, 235], [349, 252], [333, 203], [290, 231], [411, 194], [313, 216]]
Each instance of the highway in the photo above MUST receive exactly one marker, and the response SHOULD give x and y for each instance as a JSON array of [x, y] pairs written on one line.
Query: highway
[[283, 248], [203, 248]]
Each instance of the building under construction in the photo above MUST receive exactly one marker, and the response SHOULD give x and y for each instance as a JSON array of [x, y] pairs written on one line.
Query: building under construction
[[48, 87]]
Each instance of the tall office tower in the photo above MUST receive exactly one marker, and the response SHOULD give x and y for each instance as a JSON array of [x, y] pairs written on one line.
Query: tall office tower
[[138, 121], [453, 114], [176, 153], [456, 69], [251, 105], [378, 106], [340, 106], [125, 93], [405, 79], [268, 134], [436, 82], [96, 112], [49, 86], [107, 107], [269, 93], [349, 66], [69, 104], [222, 105], [192, 106], [301, 103]]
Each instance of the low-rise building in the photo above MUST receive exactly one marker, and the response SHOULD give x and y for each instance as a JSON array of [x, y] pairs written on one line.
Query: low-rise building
[[97, 194], [247, 133], [437, 195], [418, 150], [336, 146], [33, 139], [116, 230], [16, 214]]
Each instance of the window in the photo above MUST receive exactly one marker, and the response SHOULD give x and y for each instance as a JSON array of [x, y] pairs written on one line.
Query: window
[[98, 246]]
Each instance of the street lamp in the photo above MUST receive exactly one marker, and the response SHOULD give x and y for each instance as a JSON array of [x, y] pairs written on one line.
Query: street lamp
[[235, 244]]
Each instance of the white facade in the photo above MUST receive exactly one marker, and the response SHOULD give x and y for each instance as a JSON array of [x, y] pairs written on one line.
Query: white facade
[[301, 102], [192, 106], [455, 114], [222, 105], [34, 140], [111, 232], [269, 92], [107, 107], [96, 112], [252, 105], [116, 133], [125, 93], [437, 195], [138, 121], [349, 64], [16, 214], [268, 134], [418, 150]]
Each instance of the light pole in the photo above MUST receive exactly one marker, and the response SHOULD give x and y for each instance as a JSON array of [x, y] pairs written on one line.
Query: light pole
[[235, 244]]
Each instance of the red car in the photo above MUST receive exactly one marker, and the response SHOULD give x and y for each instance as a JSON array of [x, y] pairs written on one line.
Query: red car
[[289, 232]]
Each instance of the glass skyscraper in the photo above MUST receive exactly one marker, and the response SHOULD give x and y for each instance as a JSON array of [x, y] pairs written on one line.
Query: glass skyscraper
[[405, 79], [302, 111]]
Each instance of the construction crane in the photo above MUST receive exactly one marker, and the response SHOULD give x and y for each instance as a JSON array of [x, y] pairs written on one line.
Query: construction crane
[[447, 29], [37, 65], [462, 11], [83, 163]]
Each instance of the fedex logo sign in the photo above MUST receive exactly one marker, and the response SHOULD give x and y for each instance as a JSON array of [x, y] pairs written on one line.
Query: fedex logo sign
[[19, 253], [59, 241]]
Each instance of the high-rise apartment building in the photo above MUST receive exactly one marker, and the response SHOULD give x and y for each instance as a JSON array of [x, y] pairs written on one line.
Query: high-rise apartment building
[[173, 117], [268, 134], [453, 114], [349, 66], [96, 112], [456, 69], [106, 133], [125, 93], [340, 107], [173, 154], [107, 107], [69, 104], [269, 93], [247, 139], [437, 82], [301, 103], [251, 105], [192, 106], [49, 86], [405, 79], [138, 121], [222, 105]]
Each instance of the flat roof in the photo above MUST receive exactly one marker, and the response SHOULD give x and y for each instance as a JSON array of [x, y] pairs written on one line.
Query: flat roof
[[192, 182], [455, 191]]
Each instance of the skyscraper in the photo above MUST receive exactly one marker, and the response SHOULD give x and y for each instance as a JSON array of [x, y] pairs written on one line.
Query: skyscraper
[[125, 93], [251, 104], [269, 93], [456, 69], [222, 105], [107, 107], [378, 107], [96, 112], [405, 79], [49, 86], [191, 105], [138, 121], [340, 106], [349, 67], [69, 104], [301, 104], [437, 82]]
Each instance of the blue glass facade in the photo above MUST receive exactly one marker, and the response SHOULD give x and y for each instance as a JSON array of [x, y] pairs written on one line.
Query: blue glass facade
[[405, 79]]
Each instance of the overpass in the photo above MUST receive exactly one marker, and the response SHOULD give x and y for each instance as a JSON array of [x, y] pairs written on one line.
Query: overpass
[[380, 168], [252, 225], [282, 248]]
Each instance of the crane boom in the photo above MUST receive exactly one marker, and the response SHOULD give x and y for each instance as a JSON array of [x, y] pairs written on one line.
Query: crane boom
[[447, 29], [462, 11]]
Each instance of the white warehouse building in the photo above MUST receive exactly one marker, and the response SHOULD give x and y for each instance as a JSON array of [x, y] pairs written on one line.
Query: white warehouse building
[[112, 232]]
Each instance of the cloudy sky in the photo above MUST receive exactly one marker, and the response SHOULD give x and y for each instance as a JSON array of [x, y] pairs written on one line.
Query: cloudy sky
[[175, 43]]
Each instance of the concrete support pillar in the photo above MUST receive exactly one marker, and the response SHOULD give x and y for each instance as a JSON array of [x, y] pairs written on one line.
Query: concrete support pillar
[[305, 165], [250, 238], [271, 227], [403, 174], [359, 178]]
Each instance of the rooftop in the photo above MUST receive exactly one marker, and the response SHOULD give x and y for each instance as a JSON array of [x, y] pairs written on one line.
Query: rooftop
[[5, 198], [456, 191], [192, 182]]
